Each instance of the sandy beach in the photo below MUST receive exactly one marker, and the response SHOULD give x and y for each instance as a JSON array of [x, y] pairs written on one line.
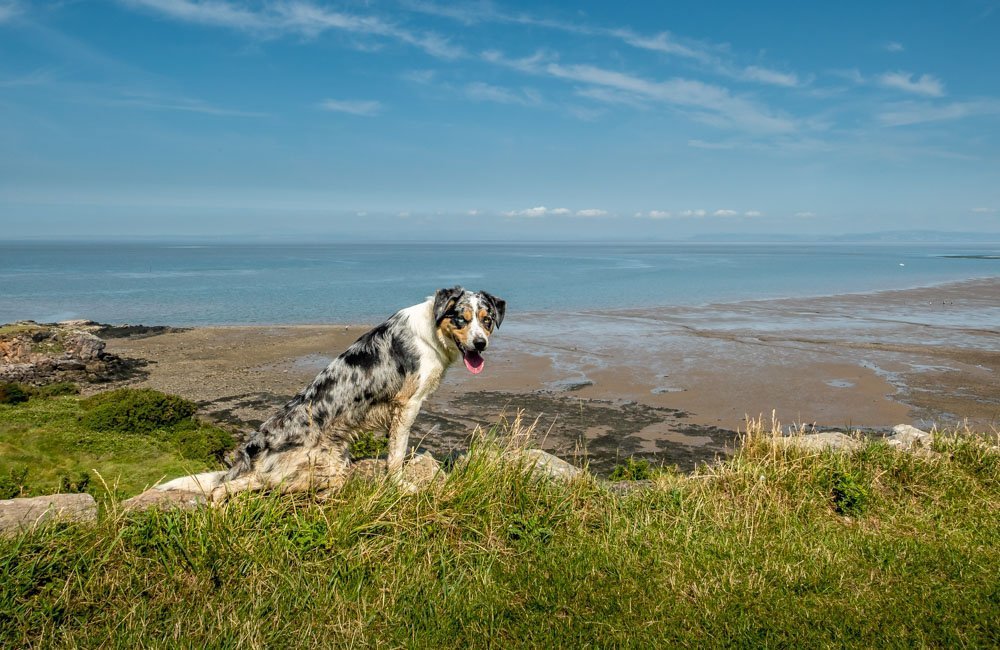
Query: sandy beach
[[673, 384]]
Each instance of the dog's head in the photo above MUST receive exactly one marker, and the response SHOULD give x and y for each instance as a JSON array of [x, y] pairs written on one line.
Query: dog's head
[[466, 319]]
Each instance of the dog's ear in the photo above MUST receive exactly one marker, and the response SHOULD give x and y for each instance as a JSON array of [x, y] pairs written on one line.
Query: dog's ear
[[496, 306], [444, 300]]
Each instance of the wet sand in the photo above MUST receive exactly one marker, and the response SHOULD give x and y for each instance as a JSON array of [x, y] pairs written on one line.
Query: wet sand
[[673, 384]]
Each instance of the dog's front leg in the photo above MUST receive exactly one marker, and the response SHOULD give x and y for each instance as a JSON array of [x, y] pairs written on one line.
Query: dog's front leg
[[399, 436]]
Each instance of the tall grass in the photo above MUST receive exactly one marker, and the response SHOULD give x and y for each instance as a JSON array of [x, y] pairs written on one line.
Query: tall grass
[[754, 551]]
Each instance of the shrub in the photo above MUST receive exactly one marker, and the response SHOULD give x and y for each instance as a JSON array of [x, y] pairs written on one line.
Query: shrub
[[11, 393], [632, 470], [79, 484], [850, 495], [202, 442], [57, 389], [368, 446], [14, 484], [131, 410]]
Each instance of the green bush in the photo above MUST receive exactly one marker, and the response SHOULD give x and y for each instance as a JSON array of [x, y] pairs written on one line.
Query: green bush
[[850, 495], [135, 410], [57, 389], [632, 470], [368, 446], [202, 442], [11, 393], [14, 484]]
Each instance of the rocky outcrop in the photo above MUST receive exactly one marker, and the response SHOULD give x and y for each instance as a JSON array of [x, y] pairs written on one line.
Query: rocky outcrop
[[904, 438], [42, 353], [29, 512]]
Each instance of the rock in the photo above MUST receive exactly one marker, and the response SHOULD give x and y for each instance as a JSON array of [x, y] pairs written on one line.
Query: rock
[[423, 471], [40, 353], [545, 464], [908, 438], [835, 440], [26, 513], [165, 500]]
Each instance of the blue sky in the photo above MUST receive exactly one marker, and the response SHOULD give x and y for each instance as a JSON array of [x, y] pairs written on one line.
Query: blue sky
[[413, 118]]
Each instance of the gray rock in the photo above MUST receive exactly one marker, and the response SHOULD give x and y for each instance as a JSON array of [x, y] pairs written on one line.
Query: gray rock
[[815, 442], [545, 464], [83, 346], [27, 513], [164, 500], [908, 438]]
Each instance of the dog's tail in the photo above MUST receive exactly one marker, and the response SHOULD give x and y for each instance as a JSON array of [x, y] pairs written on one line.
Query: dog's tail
[[204, 482]]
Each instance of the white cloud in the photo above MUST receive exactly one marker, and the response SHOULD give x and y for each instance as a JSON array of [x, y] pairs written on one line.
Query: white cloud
[[772, 77], [9, 10], [805, 215], [693, 213], [663, 42], [591, 212], [481, 91], [403, 215], [984, 210], [159, 102], [725, 213], [365, 108], [894, 47], [539, 211], [753, 213], [294, 17], [923, 85], [659, 214], [472, 213], [711, 104], [559, 211], [917, 113]]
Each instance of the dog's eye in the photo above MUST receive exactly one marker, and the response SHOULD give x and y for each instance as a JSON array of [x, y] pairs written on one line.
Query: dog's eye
[[459, 321], [488, 322]]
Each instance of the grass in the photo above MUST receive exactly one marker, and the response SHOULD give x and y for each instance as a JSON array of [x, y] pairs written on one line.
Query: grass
[[47, 444], [751, 552]]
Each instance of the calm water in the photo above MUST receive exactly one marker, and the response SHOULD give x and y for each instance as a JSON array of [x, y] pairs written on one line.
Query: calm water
[[342, 283]]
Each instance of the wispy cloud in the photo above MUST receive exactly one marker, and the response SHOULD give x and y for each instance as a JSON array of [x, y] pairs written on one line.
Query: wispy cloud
[[362, 107], [294, 17], [805, 214], [753, 213], [9, 9], [481, 91], [918, 113], [711, 104], [161, 102], [592, 212], [985, 210], [36, 78], [768, 76], [539, 211], [693, 213], [725, 213], [893, 46], [908, 82]]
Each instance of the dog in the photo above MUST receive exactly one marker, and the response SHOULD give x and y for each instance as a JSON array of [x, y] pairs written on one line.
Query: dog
[[377, 384]]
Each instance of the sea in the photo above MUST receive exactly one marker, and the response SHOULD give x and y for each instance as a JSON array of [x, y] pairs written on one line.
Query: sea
[[340, 283]]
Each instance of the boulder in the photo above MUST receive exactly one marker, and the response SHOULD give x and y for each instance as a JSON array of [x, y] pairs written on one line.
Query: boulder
[[815, 442], [27, 512], [165, 500], [909, 438], [545, 464]]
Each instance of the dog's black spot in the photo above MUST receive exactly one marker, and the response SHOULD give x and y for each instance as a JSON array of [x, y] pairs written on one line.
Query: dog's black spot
[[361, 357], [252, 449], [402, 352]]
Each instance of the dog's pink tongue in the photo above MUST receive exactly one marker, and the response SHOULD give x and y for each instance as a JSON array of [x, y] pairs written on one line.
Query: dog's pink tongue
[[474, 362]]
